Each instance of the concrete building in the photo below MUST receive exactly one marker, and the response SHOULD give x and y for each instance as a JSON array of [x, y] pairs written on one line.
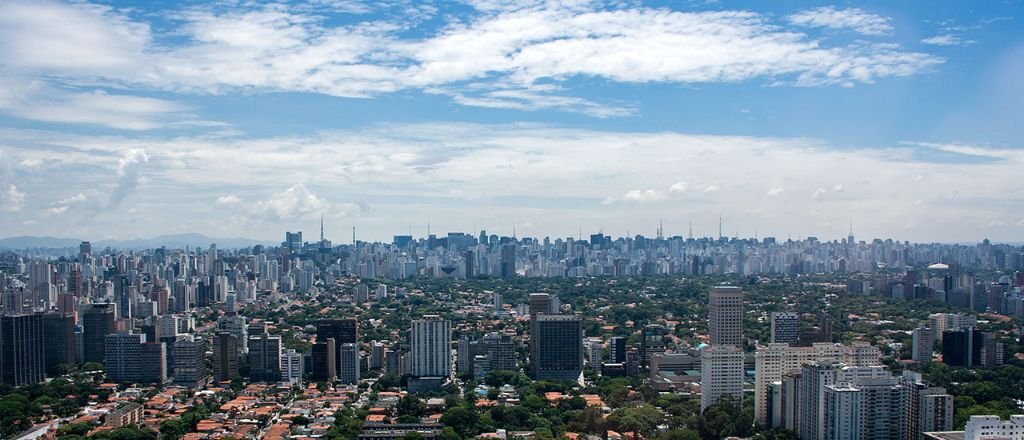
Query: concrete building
[[557, 342], [725, 316], [190, 361], [430, 352], [291, 366], [264, 358], [923, 344], [225, 356], [348, 369], [129, 358], [721, 374], [22, 354], [784, 327]]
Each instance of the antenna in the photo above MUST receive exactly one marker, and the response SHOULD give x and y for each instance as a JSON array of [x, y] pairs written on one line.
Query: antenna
[[321, 227], [513, 231], [719, 226], [353, 236], [691, 230], [661, 228]]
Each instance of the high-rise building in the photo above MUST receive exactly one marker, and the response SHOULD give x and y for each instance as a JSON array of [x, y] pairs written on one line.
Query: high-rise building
[[923, 344], [993, 427], [291, 366], [814, 377], [264, 358], [617, 349], [652, 341], [237, 326], [725, 316], [721, 375], [430, 344], [557, 345], [59, 342], [225, 356], [348, 369], [324, 360], [189, 355], [343, 331], [774, 361], [97, 322], [130, 358], [508, 260], [784, 327], [940, 322], [501, 351], [962, 347], [22, 356]]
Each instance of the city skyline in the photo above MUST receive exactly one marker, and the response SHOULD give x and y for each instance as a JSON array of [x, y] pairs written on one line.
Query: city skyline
[[251, 119]]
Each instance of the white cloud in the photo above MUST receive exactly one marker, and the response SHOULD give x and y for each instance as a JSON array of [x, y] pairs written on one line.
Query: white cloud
[[129, 175], [838, 188], [514, 173], [644, 196], [36, 100], [947, 40], [711, 188], [514, 58], [678, 187], [774, 191], [855, 19], [229, 199], [819, 194], [12, 199]]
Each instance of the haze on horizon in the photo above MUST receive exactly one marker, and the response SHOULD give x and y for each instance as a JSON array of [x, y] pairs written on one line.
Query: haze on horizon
[[121, 120]]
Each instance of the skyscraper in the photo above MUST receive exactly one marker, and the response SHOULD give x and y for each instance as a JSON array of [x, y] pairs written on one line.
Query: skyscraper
[[652, 340], [190, 361], [97, 322], [557, 347], [264, 358], [348, 369], [343, 331], [923, 344], [59, 342], [291, 366], [725, 315], [508, 260], [430, 342], [721, 375], [784, 327], [225, 356], [22, 358], [324, 359], [130, 358]]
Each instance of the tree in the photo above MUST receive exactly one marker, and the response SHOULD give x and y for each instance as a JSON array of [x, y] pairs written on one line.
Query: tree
[[461, 419], [173, 429], [410, 405]]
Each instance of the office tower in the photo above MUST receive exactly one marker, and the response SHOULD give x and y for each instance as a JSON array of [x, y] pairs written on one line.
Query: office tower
[[129, 358], [992, 351], [97, 322], [123, 297], [863, 408], [84, 251], [430, 345], [557, 345], [225, 356], [58, 342], [540, 303], [236, 325], [784, 327], [652, 341], [496, 300], [324, 359], [40, 282], [189, 355], [293, 241], [617, 349], [377, 353], [464, 352], [962, 347], [725, 316], [721, 375], [348, 368], [22, 356], [291, 366], [595, 352], [264, 358], [501, 351], [773, 361], [923, 344], [508, 260]]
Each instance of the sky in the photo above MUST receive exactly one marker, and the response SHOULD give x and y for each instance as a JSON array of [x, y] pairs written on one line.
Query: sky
[[123, 120]]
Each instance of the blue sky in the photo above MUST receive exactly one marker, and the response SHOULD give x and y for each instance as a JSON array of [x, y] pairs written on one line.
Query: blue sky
[[132, 119]]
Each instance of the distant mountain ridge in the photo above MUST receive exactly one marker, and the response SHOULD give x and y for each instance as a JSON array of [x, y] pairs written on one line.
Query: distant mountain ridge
[[171, 241]]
